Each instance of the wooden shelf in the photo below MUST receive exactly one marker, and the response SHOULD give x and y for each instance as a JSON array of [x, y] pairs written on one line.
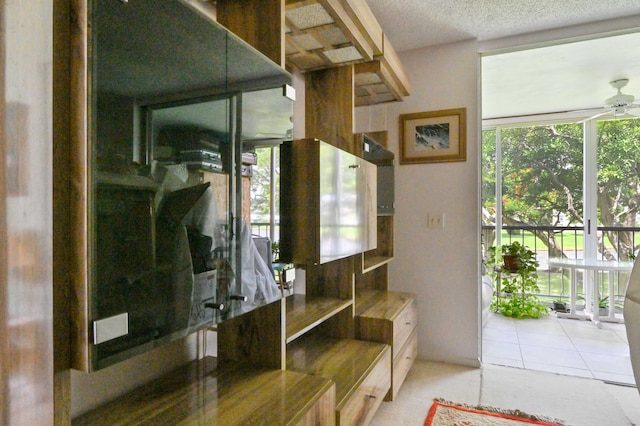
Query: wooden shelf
[[306, 312], [385, 305], [323, 34], [203, 393], [346, 361], [327, 33], [371, 263], [381, 80]]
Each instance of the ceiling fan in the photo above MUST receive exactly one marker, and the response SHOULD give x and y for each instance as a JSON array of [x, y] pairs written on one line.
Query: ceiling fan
[[619, 104]]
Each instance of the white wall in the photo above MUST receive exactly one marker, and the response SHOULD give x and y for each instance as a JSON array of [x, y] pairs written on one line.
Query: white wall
[[440, 265]]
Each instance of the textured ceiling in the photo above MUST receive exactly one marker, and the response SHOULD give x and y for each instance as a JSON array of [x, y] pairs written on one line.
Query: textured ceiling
[[432, 22], [552, 79]]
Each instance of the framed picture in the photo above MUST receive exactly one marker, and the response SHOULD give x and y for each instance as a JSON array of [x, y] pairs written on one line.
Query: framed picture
[[434, 136]]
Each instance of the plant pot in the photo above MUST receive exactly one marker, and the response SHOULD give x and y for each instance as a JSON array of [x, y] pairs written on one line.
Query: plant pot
[[559, 307], [510, 263], [603, 312]]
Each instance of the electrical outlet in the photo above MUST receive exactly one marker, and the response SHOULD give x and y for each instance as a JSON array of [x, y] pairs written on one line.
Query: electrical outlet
[[435, 220]]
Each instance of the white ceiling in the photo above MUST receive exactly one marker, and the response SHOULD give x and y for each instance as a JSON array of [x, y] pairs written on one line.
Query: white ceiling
[[550, 79]]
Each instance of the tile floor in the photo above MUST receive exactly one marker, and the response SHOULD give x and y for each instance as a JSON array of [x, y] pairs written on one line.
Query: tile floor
[[559, 345]]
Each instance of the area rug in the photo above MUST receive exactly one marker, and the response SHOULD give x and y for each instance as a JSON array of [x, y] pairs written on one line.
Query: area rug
[[445, 413]]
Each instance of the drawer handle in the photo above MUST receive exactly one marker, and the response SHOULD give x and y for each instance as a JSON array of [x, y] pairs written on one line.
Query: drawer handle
[[369, 396], [408, 323], [354, 166], [408, 357]]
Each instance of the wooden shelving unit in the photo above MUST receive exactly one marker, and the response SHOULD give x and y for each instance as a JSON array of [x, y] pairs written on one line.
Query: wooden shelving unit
[[306, 312], [390, 317], [360, 370], [204, 393], [323, 34], [304, 359]]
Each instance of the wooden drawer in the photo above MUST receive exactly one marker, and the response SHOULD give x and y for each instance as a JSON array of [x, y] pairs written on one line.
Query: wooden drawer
[[361, 406], [402, 364], [403, 325]]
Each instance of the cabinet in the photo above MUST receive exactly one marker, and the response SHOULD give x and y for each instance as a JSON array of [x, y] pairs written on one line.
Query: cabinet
[[391, 318], [293, 361], [158, 183], [328, 211]]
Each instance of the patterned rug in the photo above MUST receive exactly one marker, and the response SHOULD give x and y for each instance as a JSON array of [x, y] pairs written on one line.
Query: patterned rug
[[445, 413]]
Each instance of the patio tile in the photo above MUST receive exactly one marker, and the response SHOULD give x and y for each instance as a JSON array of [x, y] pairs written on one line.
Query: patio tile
[[601, 346], [504, 361], [623, 336], [499, 322], [552, 356], [500, 335], [568, 371], [542, 327], [608, 363], [592, 333], [557, 341], [580, 349], [491, 349], [615, 378]]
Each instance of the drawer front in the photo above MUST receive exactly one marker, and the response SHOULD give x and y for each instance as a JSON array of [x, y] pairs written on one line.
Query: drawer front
[[403, 325], [402, 364], [361, 407]]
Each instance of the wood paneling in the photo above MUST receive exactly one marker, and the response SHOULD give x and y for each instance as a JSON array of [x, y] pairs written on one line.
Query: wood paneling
[[329, 107], [258, 22], [26, 282], [257, 337], [78, 186], [61, 152]]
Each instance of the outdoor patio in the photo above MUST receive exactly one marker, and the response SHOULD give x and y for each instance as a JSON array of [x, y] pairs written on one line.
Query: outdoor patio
[[559, 345]]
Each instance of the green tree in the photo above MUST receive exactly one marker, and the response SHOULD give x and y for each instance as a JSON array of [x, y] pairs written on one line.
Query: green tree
[[260, 184], [542, 169]]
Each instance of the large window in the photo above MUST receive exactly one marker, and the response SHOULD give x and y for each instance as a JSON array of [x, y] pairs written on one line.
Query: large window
[[565, 190]]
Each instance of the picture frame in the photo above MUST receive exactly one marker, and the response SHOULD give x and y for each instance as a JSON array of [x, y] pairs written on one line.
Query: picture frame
[[433, 136]]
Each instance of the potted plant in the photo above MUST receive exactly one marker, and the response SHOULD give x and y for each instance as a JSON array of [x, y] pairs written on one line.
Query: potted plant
[[516, 281]]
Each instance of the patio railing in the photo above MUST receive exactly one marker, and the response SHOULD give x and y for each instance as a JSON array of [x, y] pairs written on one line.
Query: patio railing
[[554, 282]]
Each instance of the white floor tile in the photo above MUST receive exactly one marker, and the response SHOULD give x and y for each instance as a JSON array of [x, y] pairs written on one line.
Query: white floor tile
[[504, 361], [561, 346], [601, 346], [592, 333], [500, 335], [558, 341], [614, 378], [567, 371], [608, 363], [501, 350], [552, 356]]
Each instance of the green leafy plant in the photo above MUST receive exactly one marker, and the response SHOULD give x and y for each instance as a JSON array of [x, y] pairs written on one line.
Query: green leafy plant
[[515, 286], [603, 303]]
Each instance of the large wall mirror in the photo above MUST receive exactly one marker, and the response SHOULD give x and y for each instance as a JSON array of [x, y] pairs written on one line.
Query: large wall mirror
[[173, 100]]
